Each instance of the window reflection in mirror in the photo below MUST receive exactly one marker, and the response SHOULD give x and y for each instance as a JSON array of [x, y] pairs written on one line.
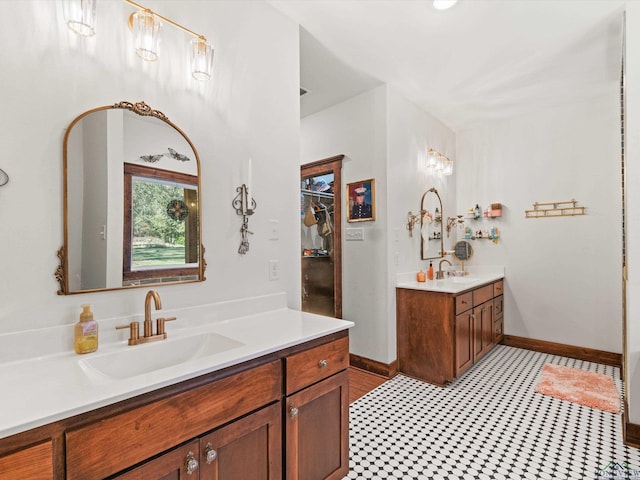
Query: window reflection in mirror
[[160, 225]]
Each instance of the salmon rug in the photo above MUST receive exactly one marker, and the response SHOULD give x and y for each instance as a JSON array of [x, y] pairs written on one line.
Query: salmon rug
[[591, 389]]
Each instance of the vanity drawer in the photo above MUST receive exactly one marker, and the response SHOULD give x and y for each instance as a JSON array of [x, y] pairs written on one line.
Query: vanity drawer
[[315, 364], [464, 302], [498, 329], [498, 288], [482, 294]]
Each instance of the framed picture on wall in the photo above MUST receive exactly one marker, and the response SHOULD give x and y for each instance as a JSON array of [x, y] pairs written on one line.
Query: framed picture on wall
[[361, 201]]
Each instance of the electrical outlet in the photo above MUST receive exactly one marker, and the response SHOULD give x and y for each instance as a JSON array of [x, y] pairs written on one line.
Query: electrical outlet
[[274, 270]]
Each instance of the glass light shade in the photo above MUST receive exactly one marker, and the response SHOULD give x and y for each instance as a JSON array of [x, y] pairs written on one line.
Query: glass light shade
[[146, 35], [81, 16], [432, 158], [448, 166], [201, 57], [443, 4], [440, 163]]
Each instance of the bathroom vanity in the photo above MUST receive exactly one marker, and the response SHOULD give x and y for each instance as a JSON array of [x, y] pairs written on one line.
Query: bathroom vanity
[[446, 326], [259, 408]]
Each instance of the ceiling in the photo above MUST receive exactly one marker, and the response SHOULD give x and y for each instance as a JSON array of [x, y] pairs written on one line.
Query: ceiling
[[480, 60]]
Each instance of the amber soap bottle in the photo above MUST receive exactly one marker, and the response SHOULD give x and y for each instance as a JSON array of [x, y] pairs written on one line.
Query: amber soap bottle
[[430, 271], [86, 332]]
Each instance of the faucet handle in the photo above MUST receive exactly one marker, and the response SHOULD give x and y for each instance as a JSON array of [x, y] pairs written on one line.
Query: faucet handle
[[160, 325], [134, 331]]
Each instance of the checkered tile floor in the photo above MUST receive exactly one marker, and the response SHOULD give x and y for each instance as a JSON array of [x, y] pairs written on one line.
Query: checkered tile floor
[[488, 425]]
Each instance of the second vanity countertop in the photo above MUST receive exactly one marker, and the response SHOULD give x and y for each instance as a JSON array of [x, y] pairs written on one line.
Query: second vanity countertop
[[477, 277], [41, 390]]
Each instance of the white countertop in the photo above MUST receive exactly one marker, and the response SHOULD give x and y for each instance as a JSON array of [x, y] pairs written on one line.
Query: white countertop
[[477, 276], [40, 390]]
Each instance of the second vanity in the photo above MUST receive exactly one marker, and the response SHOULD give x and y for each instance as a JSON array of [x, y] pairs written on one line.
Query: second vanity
[[254, 398], [446, 326]]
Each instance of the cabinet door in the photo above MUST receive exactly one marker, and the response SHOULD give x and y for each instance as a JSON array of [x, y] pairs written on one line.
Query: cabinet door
[[177, 464], [482, 329], [464, 341], [34, 463], [317, 430], [247, 449]]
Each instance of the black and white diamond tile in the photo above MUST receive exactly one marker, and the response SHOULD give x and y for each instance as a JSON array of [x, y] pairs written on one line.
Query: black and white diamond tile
[[487, 425]]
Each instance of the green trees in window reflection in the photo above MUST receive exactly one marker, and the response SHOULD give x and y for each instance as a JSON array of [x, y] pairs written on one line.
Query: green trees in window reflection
[[158, 239]]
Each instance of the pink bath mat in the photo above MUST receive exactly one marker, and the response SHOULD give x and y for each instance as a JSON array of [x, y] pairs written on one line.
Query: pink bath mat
[[592, 389]]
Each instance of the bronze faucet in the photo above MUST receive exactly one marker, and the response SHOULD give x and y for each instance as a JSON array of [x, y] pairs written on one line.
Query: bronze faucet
[[134, 327], [440, 273]]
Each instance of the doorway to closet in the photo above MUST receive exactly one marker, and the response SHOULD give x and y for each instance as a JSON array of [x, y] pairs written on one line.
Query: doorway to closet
[[321, 236]]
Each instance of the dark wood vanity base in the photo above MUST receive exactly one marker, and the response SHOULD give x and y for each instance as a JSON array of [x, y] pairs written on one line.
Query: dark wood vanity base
[[256, 419], [440, 335]]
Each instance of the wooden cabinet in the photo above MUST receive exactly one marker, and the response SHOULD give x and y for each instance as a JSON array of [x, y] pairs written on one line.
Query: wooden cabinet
[[317, 413], [235, 424], [440, 335], [223, 453], [33, 463]]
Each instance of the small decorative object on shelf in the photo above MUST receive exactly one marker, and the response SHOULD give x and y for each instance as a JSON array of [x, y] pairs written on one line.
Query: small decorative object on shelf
[[555, 209], [245, 207]]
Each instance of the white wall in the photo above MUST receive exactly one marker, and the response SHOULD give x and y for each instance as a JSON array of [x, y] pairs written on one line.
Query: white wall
[[563, 275], [632, 154], [50, 76], [357, 129], [383, 136]]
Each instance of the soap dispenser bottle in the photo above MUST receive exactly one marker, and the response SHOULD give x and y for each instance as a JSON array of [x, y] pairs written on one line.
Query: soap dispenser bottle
[[86, 332], [430, 271], [477, 212]]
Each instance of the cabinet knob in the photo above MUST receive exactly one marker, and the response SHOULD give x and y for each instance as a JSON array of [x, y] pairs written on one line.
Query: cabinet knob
[[293, 411], [323, 363], [191, 464], [209, 453]]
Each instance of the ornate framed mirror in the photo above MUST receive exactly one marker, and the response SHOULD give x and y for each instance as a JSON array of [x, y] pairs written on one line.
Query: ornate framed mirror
[[131, 202], [432, 239]]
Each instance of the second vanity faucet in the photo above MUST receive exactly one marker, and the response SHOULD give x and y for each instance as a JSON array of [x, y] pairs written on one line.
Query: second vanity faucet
[[149, 336], [440, 272]]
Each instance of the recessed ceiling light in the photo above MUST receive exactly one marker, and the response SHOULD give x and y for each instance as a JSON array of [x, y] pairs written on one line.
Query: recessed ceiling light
[[443, 4]]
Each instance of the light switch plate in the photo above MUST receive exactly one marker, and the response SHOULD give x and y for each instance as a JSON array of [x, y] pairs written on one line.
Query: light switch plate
[[354, 234], [274, 270], [274, 232]]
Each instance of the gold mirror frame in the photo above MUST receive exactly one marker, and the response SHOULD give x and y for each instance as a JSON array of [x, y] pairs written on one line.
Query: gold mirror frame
[[423, 214], [62, 272]]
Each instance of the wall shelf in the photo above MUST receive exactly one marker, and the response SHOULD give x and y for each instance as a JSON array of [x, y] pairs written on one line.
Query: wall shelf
[[555, 209]]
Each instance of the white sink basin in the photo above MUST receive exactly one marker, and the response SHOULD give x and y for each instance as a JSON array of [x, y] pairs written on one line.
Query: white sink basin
[[150, 357], [465, 279]]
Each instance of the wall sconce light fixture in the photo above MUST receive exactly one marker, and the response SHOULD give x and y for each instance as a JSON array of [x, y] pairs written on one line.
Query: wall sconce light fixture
[[438, 163], [245, 207], [81, 16], [145, 25]]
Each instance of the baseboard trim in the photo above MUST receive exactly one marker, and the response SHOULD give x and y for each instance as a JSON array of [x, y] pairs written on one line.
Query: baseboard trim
[[581, 353], [630, 433], [386, 370]]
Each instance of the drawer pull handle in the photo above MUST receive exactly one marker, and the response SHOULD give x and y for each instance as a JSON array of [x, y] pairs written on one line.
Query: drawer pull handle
[[293, 411], [323, 363], [464, 302], [191, 464], [209, 453]]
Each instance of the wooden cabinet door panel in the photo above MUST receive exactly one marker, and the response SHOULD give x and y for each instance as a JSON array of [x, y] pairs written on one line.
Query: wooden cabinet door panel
[[464, 341], [169, 466], [34, 463], [482, 329], [317, 424], [249, 448]]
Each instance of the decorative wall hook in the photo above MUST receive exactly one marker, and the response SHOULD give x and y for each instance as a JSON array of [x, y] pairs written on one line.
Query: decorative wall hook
[[245, 206]]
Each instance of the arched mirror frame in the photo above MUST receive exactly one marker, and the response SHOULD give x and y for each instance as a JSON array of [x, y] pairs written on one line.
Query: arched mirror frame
[[423, 214], [62, 272]]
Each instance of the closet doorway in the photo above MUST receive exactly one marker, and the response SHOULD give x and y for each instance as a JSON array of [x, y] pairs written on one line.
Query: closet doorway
[[321, 236]]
